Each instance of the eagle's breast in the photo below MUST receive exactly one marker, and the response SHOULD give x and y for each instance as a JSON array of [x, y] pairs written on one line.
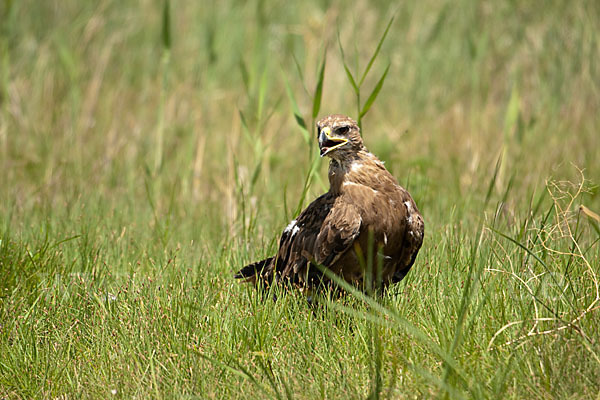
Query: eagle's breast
[[386, 209]]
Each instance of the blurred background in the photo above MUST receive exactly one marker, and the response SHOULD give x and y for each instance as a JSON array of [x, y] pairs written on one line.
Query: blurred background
[[126, 112]]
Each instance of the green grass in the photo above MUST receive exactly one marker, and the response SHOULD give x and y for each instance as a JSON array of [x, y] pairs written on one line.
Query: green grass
[[148, 150]]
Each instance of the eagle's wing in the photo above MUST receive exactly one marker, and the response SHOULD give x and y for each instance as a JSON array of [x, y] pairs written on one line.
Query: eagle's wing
[[322, 233], [338, 232]]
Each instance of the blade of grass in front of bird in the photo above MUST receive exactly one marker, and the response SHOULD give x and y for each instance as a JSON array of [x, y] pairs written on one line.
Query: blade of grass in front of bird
[[374, 93]]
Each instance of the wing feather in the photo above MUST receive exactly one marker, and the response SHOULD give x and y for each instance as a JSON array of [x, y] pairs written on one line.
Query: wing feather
[[322, 233], [340, 229]]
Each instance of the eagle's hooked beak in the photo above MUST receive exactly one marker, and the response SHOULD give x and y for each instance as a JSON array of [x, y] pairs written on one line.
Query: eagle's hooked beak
[[328, 143]]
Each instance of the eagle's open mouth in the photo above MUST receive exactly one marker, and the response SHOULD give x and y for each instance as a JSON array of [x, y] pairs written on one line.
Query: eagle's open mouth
[[328, 143]]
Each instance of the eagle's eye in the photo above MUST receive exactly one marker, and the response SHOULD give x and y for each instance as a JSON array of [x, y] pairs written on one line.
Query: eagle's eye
[[342, 130]]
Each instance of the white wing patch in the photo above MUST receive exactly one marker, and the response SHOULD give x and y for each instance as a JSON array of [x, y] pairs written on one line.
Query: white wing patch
[[410, 212], [291, 227], [295, 230]]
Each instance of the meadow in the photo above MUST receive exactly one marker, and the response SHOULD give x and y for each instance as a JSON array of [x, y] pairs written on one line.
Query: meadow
[[149, 149]]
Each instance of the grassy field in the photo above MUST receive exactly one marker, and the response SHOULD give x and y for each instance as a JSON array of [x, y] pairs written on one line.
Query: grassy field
[[146, 155]]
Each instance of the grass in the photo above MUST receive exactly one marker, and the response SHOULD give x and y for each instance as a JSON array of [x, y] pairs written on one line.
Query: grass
[[149, 150]]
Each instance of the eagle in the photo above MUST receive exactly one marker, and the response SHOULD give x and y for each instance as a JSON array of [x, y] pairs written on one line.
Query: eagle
[[365, 206]]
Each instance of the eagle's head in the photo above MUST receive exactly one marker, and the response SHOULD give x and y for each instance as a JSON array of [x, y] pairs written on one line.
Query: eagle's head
[[339, 136]]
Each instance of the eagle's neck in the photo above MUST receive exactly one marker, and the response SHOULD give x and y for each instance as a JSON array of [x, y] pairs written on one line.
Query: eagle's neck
[[342, 169]]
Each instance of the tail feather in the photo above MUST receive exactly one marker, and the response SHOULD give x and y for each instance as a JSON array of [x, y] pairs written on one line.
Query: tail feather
[[252, 272]]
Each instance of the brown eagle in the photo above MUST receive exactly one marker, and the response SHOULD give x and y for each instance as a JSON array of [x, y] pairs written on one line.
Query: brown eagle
[[365, 206]]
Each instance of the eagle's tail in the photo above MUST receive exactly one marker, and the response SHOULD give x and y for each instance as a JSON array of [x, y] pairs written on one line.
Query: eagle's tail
[[253, 272]]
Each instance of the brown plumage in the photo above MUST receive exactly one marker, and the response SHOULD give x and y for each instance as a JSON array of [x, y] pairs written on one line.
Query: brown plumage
[[364, 204]]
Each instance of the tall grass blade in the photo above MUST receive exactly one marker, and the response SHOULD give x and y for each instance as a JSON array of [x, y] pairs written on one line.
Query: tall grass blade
[[439, 23], [262, 93], [296, 111], [319, 89], [245, 76], [492, 184], [374, 93], [529, 251], [346, 68], [512, 112], [376, 53], [300, 73], [166, 24], [165, 60]]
